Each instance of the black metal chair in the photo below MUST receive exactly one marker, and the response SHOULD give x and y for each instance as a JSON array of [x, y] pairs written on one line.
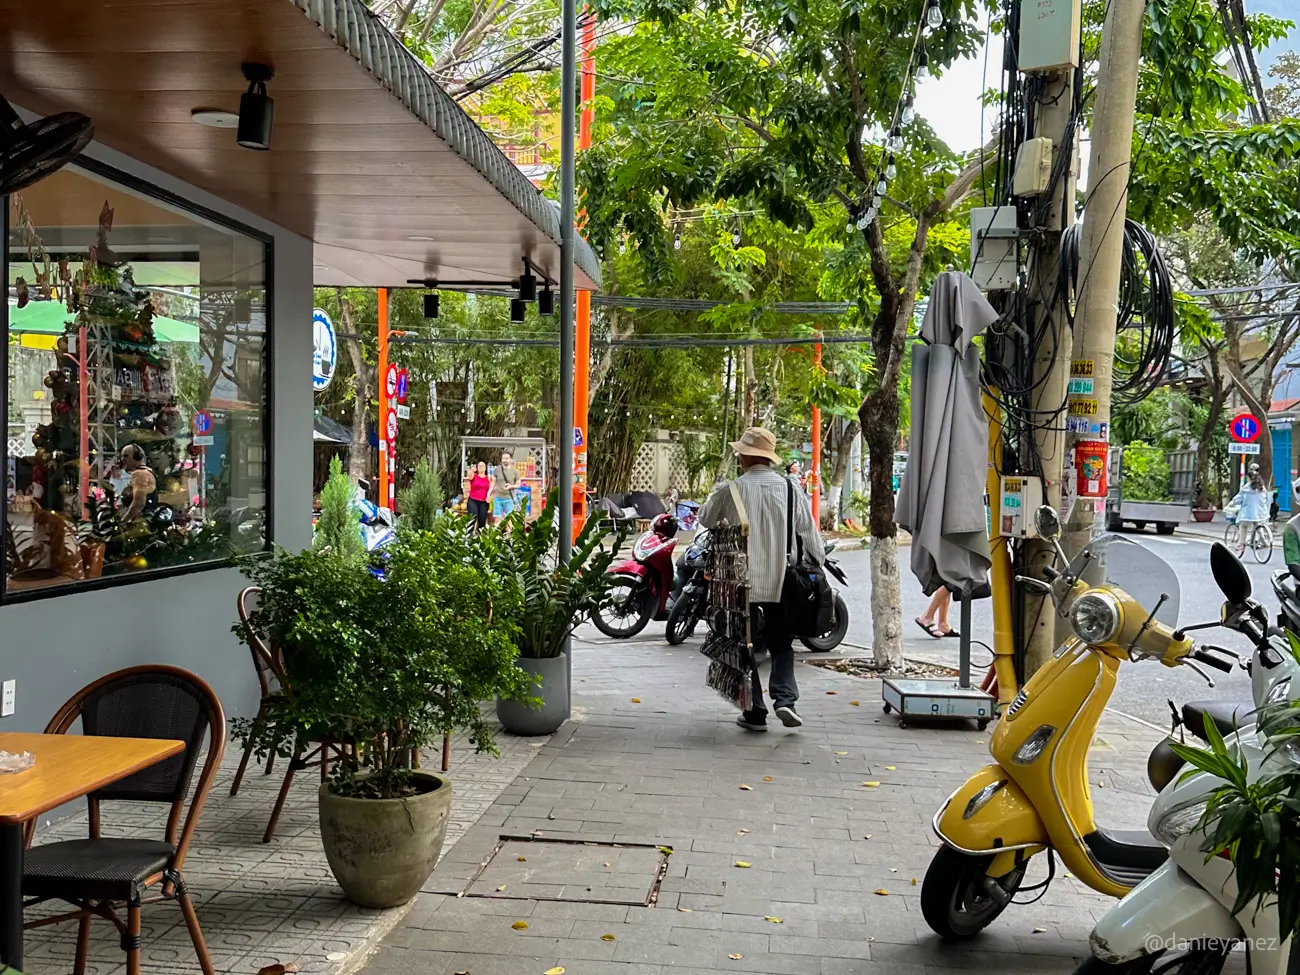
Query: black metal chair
[[270, 678], [97, 873]]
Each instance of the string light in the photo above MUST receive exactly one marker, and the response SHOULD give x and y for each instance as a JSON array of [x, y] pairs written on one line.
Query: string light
[[735, 238], [923, 65], [891, 169], [881, 187], [677, 241], [876, 201], [933, 15], [909, 111], [895, 140]]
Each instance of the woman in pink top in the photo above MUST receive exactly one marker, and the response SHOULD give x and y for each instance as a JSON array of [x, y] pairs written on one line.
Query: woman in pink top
[[479, 484]]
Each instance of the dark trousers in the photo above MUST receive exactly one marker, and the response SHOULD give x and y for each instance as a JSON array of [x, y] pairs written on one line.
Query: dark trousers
[[768, 625], [478, 510]]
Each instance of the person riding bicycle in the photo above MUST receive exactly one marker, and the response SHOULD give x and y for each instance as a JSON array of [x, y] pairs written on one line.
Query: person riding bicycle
[[1253, 501]]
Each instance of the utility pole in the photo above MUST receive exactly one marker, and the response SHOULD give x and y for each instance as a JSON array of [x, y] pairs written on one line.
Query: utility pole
[[1104, 206], [568, 123], [1050, 218]]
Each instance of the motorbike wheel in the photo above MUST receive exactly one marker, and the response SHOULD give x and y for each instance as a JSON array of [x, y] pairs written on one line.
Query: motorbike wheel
[[625, 614], [835, 636], [953, 899], [1199, 960], [682, 619]]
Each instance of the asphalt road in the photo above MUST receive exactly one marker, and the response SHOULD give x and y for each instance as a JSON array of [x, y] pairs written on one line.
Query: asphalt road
[[1143, 688]]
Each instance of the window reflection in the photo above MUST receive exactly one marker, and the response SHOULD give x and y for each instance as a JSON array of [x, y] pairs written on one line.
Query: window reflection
[[135, 410]]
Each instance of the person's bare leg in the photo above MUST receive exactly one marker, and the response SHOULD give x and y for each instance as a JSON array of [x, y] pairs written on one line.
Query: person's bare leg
[[944, 598], [938, 608]]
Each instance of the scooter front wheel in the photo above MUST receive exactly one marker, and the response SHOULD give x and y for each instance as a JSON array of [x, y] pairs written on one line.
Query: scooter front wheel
[[957, 898]]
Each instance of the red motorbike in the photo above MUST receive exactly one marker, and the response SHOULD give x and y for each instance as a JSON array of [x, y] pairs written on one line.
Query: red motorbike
[[642, 583]]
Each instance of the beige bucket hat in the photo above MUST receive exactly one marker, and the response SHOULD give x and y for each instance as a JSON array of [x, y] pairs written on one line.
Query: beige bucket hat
[[757, 442]]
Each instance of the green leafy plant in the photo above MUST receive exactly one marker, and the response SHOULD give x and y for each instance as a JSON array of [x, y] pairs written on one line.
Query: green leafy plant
[[1146, 473], [337, 529], [421, 502], [554, 596], [389, 655]]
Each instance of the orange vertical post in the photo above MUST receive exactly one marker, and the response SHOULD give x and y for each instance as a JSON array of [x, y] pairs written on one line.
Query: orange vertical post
[[815, 465], [384, 474], [582, 299]]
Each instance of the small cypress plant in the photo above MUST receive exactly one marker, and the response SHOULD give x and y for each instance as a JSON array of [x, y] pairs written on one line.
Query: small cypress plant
[[338, 528], [420, 502]]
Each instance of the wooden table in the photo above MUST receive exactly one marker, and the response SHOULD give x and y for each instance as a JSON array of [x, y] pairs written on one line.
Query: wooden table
[[67, 767]]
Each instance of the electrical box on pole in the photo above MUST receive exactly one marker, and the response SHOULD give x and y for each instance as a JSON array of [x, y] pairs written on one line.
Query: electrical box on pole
[[1049, 35], [993, 242], [1033, 175]]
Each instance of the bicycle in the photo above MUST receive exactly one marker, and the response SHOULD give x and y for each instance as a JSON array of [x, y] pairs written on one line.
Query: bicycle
[[1260, 541]]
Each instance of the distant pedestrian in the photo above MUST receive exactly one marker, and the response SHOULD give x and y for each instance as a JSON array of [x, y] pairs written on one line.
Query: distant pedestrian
[[476, 494], [764, 492], [935, 618], [503, 488]]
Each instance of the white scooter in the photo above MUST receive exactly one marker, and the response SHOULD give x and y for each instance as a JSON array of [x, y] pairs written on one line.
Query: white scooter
[[1179, 920]]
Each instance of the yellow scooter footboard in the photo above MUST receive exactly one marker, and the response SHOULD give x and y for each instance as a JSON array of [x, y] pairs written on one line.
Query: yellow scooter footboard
[[988, 814]]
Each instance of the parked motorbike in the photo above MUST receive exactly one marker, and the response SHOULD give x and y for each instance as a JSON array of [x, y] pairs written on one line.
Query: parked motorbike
[[1122, 603], [690, 597], [1180, 917], [833, 637], [641, 583]]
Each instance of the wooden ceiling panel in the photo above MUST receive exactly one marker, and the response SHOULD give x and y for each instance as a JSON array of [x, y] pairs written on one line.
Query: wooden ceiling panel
[[350, 167]]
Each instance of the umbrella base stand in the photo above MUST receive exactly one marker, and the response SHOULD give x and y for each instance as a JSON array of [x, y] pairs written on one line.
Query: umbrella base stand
[[943, 698]]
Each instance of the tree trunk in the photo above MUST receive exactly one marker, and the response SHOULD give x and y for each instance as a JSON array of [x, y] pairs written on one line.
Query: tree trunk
[[1258, 401], [751, 389], [879, 418], [359, 452], [1212, 419], [835, 484]]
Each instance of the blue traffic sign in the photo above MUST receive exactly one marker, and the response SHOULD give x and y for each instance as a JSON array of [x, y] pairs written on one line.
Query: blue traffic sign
[[202, 423], [1244, 428]]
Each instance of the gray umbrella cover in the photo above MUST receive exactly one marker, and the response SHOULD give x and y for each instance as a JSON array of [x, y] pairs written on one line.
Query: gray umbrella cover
[[941, 497]]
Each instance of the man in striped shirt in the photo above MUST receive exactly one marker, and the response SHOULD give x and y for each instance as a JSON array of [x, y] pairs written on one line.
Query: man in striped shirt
[[764, 493]]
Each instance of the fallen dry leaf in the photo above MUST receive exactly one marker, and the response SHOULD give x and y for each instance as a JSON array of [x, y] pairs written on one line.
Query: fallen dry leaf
[[666, 850], [832, 692], [743, 864], [1101, 784], [1039, 930], [636, 700], [519, 925], [746, 788], [684, 910], [881, 892], [742, 832], [767, 778], [465, 972], [841, 753], [893, 870], [867, 836], [870, 785], [553, 971], [735, 957], [855, 703], [278, 969], [607, 937], [980, 742], [461, 894], [523, 859], [775, 920], [913, 881], [607, 863], [502, 887], [891, 768]]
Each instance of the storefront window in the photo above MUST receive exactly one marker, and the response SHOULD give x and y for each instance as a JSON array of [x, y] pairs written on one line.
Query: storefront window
[[135, 406]]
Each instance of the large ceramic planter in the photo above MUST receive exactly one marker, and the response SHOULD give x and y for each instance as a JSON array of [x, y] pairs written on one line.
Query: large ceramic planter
[[383, 850], [1203, 514], [551, 684]]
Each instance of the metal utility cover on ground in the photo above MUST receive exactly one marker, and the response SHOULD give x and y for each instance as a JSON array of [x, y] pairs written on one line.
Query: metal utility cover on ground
[[597, 873]]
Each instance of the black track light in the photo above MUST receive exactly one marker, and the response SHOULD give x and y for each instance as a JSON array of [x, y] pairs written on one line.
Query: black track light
[[518, 308], [546, 301], [527, 286], [256, 108], [431, 305]]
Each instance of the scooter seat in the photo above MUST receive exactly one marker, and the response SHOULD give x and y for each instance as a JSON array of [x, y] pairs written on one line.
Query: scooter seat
[[1126, 852], [1228, 716]]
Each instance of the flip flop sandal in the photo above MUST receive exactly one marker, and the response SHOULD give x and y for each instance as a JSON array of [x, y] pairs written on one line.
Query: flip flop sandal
[[951, 633], [932, 630]]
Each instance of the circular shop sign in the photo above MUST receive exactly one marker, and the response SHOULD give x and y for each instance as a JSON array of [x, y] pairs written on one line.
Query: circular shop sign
[[325, 355]]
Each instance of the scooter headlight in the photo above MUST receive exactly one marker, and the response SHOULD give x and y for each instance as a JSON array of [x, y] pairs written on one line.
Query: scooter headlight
[[1033, 746], [1095, 617], [1179, 821]]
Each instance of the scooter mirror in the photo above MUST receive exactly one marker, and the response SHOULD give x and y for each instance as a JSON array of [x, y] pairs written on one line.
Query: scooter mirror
[[1047, 522], [1229, 574]]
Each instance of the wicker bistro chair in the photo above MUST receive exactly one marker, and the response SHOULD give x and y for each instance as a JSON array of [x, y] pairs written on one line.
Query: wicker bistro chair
[[307, 752], [97, 873]]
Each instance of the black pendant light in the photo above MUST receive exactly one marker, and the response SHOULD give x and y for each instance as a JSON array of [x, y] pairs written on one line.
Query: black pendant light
[[527, 286], [256, 108], [431, 305], [518, 308], [546, 301]]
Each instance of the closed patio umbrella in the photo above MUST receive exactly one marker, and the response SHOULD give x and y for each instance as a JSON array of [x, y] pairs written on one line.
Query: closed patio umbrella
[[941, 498]]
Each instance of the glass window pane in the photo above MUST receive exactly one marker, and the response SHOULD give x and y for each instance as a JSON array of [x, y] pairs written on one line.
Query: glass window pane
[[136, 420]]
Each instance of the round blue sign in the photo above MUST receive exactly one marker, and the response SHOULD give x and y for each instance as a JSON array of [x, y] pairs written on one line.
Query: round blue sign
[[202, 423], [325, 354], [1244, 429], [402, 386]]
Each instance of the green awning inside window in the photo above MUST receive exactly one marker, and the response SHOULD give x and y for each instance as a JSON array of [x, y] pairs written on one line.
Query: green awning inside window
[[52, 318]]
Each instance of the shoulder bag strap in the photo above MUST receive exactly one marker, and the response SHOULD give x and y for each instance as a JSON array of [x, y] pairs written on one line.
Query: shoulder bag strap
[[792, 539], [741, 513]]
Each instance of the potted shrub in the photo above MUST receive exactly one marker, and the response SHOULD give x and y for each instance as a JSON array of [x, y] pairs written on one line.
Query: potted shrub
[[386, 660], [553, 597]]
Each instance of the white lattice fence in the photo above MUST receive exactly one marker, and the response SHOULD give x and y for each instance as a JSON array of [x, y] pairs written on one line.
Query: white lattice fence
[[643, 469]]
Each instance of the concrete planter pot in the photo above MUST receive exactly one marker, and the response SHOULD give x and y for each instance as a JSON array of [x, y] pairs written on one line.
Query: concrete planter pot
[[551, 685], [382, 850], [1203, 514]]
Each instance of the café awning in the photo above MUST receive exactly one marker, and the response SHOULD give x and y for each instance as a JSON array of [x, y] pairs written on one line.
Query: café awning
[[369, 158]]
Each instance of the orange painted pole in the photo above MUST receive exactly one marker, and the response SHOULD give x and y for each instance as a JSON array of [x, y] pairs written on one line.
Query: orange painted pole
[[385, 476], [582, 299], [815, 466]]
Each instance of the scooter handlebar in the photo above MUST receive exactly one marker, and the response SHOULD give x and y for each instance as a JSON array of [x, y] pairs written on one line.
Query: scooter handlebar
[[1210, 660]]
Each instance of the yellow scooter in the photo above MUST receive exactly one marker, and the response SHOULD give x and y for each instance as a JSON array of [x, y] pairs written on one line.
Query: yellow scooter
[[1036, 797]]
